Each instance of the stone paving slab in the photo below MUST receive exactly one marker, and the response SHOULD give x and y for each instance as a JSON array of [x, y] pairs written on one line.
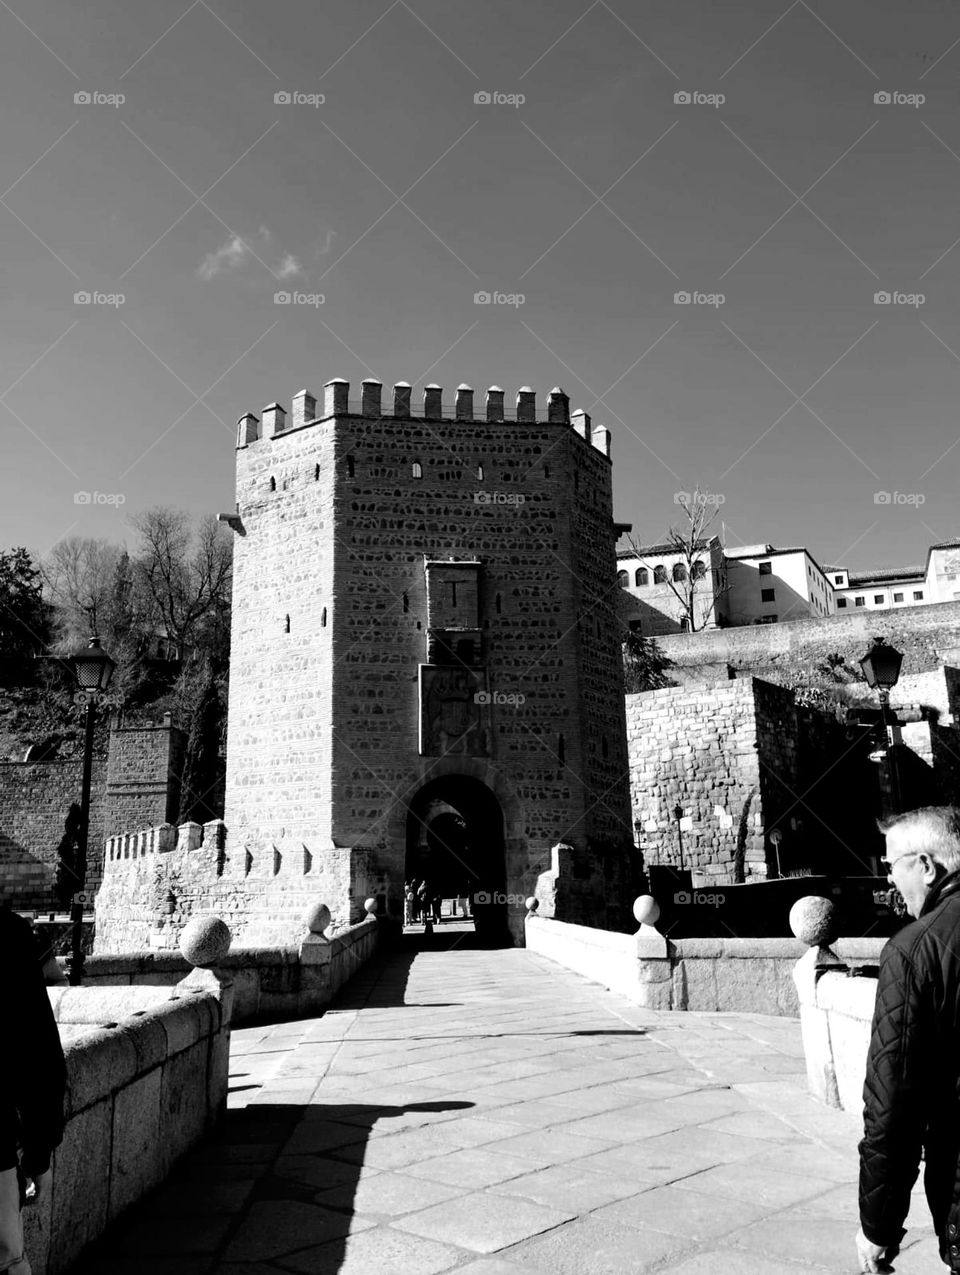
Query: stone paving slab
[[488, 1113]]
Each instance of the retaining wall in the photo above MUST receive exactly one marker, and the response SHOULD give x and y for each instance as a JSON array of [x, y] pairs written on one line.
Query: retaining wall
[[836, 1014]]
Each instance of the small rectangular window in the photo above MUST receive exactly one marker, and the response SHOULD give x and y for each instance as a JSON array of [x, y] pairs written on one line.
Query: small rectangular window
[[898, 597], [765, 568], [918, 595], [768, 595], [841, 603], [859, 602], [838, 579], [879, 599]]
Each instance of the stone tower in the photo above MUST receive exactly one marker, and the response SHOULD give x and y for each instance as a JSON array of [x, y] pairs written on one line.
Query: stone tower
[[425, 667]]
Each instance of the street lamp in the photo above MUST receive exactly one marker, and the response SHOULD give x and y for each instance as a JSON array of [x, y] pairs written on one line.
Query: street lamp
[[93, 668], [881, 668], [678, 815], [776, 836]]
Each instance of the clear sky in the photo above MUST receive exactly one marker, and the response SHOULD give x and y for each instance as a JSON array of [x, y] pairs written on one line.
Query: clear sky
[[597, 198]]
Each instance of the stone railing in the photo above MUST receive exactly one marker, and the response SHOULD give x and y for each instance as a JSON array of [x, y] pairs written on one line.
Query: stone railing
[[147, 1074], [269, 983], [836, 1010], [714, 975]]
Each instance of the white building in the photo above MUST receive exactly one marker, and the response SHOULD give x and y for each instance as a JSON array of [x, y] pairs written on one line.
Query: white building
[[652, 576], [766, 585]]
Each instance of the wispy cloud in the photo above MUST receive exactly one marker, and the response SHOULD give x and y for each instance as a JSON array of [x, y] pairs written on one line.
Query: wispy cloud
[[236, 253]]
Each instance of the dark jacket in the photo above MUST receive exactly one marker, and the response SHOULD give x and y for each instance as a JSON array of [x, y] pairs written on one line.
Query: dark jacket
[[32, 1071], [912, 1090]]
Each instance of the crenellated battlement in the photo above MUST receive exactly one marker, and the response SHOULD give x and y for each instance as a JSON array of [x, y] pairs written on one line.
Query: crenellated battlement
[[306, 409]]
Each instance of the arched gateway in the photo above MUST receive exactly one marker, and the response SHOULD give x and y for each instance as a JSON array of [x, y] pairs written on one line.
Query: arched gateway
[[455, 841]]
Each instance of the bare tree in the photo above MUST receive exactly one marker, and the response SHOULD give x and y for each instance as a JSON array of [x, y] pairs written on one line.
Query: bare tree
[[184, 575], [88, 583], [690, 580]]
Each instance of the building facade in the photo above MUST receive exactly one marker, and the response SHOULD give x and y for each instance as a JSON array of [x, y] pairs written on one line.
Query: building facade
[[424, 633]]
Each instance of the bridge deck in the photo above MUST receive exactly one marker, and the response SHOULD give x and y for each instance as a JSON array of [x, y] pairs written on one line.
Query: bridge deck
[[488, 1113]]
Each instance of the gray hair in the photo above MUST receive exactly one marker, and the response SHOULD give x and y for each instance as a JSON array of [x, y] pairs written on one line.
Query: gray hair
[[942, 825]]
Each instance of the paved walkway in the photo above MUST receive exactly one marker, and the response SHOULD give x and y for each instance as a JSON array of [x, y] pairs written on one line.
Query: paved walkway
[[488, 1113]]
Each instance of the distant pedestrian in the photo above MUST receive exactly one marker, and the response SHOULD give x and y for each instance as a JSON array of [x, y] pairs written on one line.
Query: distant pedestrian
[[912, 1090], [437, 904], [409, 903], [32, 1086]]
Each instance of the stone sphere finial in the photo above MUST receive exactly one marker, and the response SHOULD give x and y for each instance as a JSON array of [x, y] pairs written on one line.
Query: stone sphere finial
[[815, 921], [646, 910], [205, 941], [317, 918], [531, 904], [370, 906]]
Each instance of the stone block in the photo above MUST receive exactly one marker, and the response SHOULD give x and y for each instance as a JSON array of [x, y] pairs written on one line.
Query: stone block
[[102, 1061], [185, 1023], [136, 1160], [79, 1184], [184, 1114], [149, 1040]]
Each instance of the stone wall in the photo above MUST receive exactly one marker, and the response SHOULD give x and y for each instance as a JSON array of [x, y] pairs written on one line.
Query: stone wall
[[928, 636], [155, 880], [135, 782], [729, 975], [836, 1015], [702, 749], [268, 983], [339, 513], [742, 759], [141, 1090]]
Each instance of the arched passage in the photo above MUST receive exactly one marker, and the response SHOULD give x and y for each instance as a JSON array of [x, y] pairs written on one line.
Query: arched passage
[[455, 841]]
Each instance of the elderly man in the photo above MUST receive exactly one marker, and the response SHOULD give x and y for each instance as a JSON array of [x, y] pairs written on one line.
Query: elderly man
[[912, 1089]]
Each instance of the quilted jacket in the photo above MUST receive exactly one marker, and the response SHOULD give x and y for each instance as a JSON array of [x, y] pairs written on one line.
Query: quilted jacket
[[912, 1090], [32, 1071]]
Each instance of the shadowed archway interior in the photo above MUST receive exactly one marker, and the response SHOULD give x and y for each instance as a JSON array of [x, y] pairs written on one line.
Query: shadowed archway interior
[[455, 841]]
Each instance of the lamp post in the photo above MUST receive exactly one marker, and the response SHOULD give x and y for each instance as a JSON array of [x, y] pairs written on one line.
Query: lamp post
[[678, 815], [881, 668], [776, 836], [93, 668]]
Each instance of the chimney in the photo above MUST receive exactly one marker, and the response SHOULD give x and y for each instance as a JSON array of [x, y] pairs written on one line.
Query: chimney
[[370, 398], [335, 394], [304, 408], [581, 423], [558, 409], [248, 430], [432, 411], [401, 399], [274, 420], [464, 403], [494, 403], [526, 404], [601, 440]]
